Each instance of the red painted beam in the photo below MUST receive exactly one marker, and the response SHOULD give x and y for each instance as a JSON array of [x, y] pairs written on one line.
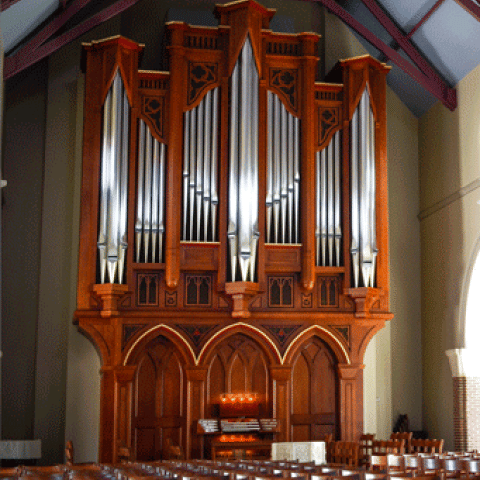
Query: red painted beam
[[6, 3], [435, 85], [471, 7], [425, 18], [405, 44], [29, 56]]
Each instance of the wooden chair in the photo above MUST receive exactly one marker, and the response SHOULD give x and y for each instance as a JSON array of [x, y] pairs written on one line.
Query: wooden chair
[[378, 463], [365, 448], [419, 445], [413, 463], [406, 436], [431, 465], [123, 454], [471, 467], [346, 453], [395, 463], [69, 452], [451, 466], [174, 452], [384, 447]]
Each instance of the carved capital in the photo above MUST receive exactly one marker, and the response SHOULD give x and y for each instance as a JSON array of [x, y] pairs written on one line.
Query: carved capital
[[195, 374], [364, 299], [124, 374], [110, 295], [241, 294], [349, 372], [281, 374]]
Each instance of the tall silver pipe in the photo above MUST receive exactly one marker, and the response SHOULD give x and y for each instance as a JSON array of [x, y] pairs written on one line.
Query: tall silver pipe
[[364, 247], [122, 230], [330, 203], [338, 220], [283, 172], [193, 156], [161, 203], [105, 185], [213, 174], [269, 195], [296, 175], [199, 161], [276, 170], [291, 180], [112, 237], [207, 163], [115, 166], [233, 173], [318, 207], [140, 185], [186, 171], [147, 207], [243, 174], [373, 223], [355, 245], [365, 228], [324, 204], [254, 169], [244, 171], [155, 196]]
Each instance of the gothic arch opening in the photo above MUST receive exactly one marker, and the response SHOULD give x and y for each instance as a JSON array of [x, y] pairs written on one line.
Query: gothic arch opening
[[159, 396], [314, 393]]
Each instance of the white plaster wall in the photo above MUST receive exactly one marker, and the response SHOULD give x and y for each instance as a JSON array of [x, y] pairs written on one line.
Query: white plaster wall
[[449, 146]]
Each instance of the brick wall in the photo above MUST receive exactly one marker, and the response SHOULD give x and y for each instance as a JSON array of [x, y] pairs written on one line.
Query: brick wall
[[466, 413]]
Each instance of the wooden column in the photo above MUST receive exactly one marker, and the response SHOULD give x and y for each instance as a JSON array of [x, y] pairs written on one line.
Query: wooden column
[[307, 194], [123, 408], [175, 155], [281, 377], [351, 401], [196, 378]]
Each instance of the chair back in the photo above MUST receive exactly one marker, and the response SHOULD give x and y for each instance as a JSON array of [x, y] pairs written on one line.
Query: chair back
[[406, 436], [395, 463], [365, 448], [383, 447], [419, 445]]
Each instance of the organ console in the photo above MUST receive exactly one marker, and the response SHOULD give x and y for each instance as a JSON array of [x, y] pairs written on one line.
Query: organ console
[[238, 431], [234, 234]]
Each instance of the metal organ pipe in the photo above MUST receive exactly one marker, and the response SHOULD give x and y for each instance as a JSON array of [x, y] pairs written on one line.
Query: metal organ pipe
[[200, 159], [328, 204], [112, 234], [150, 221], [363, 248], [283, 173], [243, 230]]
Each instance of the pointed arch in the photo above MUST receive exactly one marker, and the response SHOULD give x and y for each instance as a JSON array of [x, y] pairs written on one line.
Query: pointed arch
[[328, 337], [184, 347], [251, 331]]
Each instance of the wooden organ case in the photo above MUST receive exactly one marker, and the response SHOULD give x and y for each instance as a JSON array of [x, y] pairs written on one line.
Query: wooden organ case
[[234, 232]]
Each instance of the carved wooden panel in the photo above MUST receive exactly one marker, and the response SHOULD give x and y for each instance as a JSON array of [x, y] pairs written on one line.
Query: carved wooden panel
[[198, 290], [159, 392], [201, 75], [314, 390], [280, 291], [238, 364]]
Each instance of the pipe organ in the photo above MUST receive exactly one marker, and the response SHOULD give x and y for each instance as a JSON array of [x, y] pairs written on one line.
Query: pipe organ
[[234, 232]]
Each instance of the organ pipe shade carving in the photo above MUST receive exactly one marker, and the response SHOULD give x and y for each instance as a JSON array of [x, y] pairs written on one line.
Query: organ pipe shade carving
[[328, 222], [150, 218], [242, 229], [112, 236], [200, 166], [283, 173], [363, 216]]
